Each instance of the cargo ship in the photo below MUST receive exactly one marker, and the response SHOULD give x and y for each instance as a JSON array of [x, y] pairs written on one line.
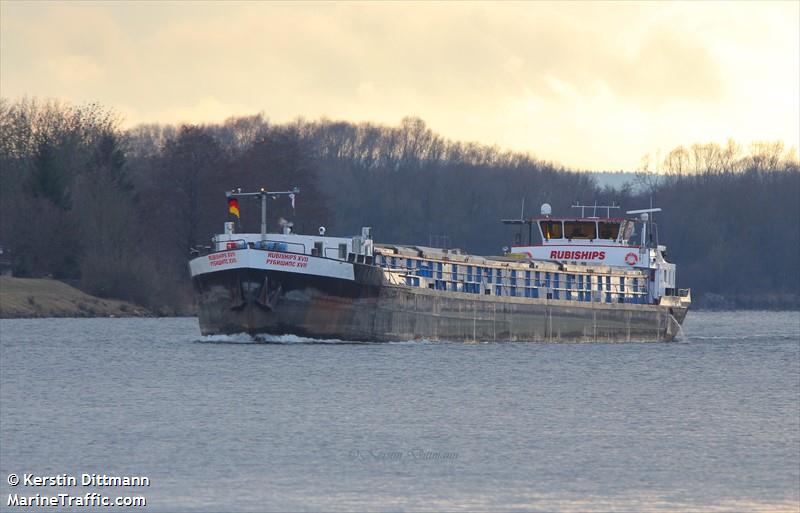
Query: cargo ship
[[580, 278]]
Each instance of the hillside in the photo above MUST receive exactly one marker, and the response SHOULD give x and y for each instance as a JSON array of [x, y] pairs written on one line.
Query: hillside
[[120, 212], [22, 297]]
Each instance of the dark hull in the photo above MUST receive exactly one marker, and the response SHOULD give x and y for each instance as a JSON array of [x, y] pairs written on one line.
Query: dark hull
[[278, 303]]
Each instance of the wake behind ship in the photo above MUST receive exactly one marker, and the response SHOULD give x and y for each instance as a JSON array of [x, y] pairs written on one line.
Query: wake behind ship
[[586, 280]]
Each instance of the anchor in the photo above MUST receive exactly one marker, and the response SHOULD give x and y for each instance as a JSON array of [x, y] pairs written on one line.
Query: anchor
[[237, 295], [267, 298]]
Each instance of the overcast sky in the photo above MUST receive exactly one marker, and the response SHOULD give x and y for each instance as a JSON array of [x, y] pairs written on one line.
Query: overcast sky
[[590, 85]]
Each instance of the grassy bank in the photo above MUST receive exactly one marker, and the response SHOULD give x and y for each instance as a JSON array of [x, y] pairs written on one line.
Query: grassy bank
[[25, 297]]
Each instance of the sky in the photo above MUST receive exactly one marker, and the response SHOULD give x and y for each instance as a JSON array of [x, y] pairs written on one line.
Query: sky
[[590, 85]]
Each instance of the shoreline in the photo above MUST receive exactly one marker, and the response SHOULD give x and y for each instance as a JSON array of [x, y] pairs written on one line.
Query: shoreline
[[34, 298]]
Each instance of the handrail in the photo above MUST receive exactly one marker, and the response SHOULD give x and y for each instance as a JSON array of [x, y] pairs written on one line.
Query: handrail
[[614, 288], [303, 246], [461, 277]]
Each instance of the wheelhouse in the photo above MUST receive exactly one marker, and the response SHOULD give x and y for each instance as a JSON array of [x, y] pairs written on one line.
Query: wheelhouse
[[558, 231]]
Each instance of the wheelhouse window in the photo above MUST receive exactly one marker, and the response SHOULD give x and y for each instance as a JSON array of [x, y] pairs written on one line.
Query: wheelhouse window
[[608, 230], [551, 229], [580, 229], [627, 230]]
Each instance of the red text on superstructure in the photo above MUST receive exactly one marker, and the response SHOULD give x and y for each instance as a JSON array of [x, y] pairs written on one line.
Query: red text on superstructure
[[287, 260]]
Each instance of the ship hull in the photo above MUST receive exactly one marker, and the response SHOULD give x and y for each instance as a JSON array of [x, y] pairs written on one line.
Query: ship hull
[[272, 302]]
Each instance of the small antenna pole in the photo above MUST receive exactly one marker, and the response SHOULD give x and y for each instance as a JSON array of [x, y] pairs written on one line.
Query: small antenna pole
[[263, 214], [530, 233]]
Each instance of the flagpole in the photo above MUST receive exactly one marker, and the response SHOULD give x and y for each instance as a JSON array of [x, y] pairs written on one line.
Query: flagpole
[[263, 193]]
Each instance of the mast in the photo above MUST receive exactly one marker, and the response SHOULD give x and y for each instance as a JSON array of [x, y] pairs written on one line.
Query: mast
[[263, 193], [645, 219]]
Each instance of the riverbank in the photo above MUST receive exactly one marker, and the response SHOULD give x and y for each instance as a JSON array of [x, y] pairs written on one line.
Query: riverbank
[[770, 302], [33, 297]]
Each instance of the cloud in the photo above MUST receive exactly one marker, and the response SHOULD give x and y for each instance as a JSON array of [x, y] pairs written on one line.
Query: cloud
[[74, 69], [205, 109], [587, 84]]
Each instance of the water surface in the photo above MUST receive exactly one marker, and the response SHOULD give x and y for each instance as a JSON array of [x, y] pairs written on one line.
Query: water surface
[[711, 423]]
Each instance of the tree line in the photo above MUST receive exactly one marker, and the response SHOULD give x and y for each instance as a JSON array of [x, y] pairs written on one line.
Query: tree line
[[118, 212]]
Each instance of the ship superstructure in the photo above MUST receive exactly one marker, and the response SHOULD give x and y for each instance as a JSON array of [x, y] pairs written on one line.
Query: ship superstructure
[[587, 279]]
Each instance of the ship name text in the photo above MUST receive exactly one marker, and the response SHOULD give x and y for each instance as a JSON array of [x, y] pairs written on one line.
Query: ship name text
[[578, 255], [287, 260], [224, 258]]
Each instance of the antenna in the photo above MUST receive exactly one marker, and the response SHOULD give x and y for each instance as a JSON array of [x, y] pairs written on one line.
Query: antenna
[[643, 211], [594, 209], [522, 221], [647, 221]]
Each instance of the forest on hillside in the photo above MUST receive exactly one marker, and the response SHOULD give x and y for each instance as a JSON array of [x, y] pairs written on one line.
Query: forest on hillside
[[118, 212]]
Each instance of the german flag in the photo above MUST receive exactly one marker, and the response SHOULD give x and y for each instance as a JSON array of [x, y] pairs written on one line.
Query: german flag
[[233, 207]]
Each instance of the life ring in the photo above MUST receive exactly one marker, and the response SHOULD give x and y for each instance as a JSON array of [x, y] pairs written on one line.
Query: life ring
[[631, 259]]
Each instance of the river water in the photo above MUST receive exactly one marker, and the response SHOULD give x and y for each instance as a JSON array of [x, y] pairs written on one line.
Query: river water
[[710, 423]]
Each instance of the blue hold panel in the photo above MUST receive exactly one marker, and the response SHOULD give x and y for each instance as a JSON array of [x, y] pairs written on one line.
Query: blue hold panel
[[426, 269]]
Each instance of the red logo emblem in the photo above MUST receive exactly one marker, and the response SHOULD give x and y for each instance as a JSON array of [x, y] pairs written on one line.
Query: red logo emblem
[[631, 259]]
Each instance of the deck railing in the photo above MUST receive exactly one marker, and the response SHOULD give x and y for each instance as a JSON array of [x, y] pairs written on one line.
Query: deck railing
[[588, 287]]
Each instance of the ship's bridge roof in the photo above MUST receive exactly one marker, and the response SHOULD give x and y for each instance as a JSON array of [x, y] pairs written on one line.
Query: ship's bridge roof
[[599, 219]]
